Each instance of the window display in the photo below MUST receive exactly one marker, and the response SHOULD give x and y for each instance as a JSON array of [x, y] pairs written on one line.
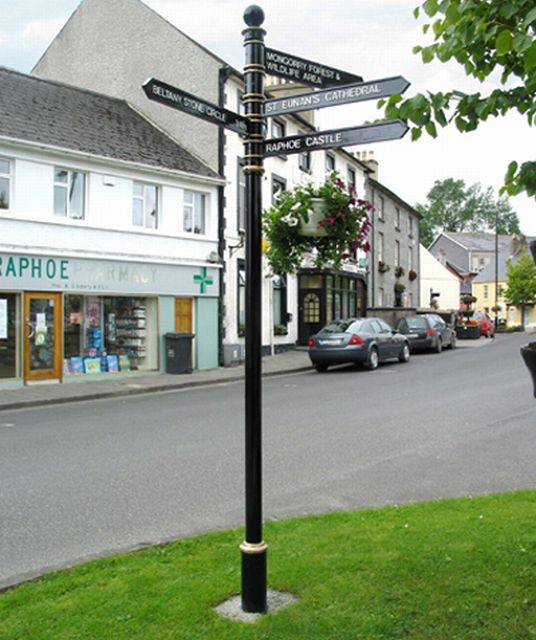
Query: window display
[[109, 334], [8, 335]]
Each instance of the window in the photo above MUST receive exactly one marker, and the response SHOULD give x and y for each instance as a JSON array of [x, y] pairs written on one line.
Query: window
[[410, 225], [351, 177], [380, 205], [5, 183], [241, 195], [486, 291], [397, 253], [240, 107], [69, 193], [330, 163], [195, 215], [279, 302], [241, 299], [381, 297], [278, 129], [304, 159], [381, 241], [410, 258], [278, 187], [145, 205], [397, 218]]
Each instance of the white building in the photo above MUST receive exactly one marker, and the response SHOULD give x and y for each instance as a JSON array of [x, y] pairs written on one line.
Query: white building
[[108, 237], [436, 278]]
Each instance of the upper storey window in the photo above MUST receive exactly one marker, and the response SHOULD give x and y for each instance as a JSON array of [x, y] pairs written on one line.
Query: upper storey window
[[69, 193], [5, 183]]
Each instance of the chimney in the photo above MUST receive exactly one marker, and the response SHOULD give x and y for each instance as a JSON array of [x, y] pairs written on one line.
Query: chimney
[[367, 157], [280, 88]]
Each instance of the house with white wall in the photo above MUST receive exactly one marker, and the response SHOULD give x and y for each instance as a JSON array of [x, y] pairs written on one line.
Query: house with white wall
[[436, 278], [108, 237]]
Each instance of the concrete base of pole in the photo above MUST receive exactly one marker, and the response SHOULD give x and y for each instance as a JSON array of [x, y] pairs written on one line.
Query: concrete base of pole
[[276, 601]]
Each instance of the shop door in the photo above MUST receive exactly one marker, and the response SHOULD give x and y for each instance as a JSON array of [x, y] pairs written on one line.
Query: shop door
[[183, 315], [42, 337], [310, 314]]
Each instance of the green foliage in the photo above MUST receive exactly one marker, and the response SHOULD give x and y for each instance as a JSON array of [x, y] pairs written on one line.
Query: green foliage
[[521, 285], [346, 223], [453, 206], [447, 570], [484, 37]]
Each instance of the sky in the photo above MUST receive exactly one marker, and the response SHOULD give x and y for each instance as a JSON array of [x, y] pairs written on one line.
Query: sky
[[373, 38]]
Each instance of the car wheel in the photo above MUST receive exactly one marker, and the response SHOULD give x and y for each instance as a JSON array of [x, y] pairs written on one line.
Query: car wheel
[[404, 354], [439, 346], [321, 368], [373, 359]]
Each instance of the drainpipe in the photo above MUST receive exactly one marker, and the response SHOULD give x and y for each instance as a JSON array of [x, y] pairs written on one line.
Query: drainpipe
[[224, 74]]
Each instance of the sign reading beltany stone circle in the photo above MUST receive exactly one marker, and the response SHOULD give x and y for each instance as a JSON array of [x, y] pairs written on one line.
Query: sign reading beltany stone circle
[[285, 65], [183, 101], [336, 138], [358, 92]]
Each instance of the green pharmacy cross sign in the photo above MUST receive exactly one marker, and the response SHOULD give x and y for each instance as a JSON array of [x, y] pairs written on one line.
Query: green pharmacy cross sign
[[203, 279]]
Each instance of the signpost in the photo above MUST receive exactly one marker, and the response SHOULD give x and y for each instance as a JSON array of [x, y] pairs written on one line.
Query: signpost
[[348, 88], [183, 101], [285, 65], [358, 92], [365, 134]]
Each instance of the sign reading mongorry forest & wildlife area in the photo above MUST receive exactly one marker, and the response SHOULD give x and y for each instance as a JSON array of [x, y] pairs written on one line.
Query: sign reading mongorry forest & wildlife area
[[285, 65]]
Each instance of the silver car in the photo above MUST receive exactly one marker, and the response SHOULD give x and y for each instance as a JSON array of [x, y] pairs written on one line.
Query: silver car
[[367, 341]]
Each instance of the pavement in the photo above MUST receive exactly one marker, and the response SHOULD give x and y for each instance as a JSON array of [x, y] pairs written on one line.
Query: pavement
[[83, 389], [83, 480]]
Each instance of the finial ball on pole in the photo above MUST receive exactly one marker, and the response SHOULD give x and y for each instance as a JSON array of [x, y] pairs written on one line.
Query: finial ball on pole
[[254, 16]]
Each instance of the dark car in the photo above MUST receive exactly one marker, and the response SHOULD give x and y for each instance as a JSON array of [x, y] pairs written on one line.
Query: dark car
[[427, 331], [367, 341]]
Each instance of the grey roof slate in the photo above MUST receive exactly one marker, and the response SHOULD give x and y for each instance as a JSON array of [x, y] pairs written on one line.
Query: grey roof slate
[[60, 115], [478, 241], [488, 272]]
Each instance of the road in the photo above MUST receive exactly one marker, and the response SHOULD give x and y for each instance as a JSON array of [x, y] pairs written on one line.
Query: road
[[88, 478]]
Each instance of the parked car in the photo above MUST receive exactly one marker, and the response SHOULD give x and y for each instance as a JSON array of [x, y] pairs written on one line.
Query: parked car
[[487, 325], [367, 341], [427, 331]]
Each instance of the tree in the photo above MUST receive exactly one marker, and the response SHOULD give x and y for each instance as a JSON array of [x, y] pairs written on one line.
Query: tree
[[521, 285], [485, 37], [453, 206]]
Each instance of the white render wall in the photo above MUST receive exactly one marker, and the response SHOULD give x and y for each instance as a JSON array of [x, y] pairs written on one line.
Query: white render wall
[[437, 277], [289, 170], [107, 229]]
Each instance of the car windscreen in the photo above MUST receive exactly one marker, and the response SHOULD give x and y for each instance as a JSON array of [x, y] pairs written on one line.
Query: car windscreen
[[338, 326], [416, 323]]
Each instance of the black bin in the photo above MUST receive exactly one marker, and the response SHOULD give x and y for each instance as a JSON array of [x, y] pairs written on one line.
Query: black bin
[[179, 352]]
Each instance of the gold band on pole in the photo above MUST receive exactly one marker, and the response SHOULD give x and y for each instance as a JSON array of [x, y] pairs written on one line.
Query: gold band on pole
[[252, 168], [253, 547]]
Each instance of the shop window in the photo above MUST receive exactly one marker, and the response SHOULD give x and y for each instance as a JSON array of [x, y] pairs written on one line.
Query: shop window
[[279, 186], [69, 193], [5, 183], [241, 298], [194, 213], [241, 195], [9, 332], [109, 334], [330, 163], [145, 205], [279, 302]]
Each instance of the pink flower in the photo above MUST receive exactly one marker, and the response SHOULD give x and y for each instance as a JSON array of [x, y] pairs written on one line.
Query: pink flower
[[329, 220], [339, 183], [366, 247]]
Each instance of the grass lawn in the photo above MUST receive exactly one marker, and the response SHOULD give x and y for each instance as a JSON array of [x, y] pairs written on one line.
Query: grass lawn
[[455, 569]]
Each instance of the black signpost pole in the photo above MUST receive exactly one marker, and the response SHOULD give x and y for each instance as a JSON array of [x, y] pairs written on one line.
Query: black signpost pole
[[253, 549]]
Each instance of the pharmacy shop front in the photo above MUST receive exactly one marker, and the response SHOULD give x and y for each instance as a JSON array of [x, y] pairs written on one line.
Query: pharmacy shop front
[[70, 319]]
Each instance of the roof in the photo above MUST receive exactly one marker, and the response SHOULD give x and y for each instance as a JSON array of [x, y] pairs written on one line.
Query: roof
[[59, 115], [488, 272], [394, 196], [478, 241]]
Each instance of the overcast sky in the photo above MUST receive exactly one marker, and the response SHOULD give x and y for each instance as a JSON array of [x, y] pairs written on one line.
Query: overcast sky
[[372, 38]]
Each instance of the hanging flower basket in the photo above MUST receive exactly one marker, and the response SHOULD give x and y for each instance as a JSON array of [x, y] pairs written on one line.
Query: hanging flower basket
[[383, 267], [311, 224], [412, 275], [399, 287], [326, 222], [399, 272]]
